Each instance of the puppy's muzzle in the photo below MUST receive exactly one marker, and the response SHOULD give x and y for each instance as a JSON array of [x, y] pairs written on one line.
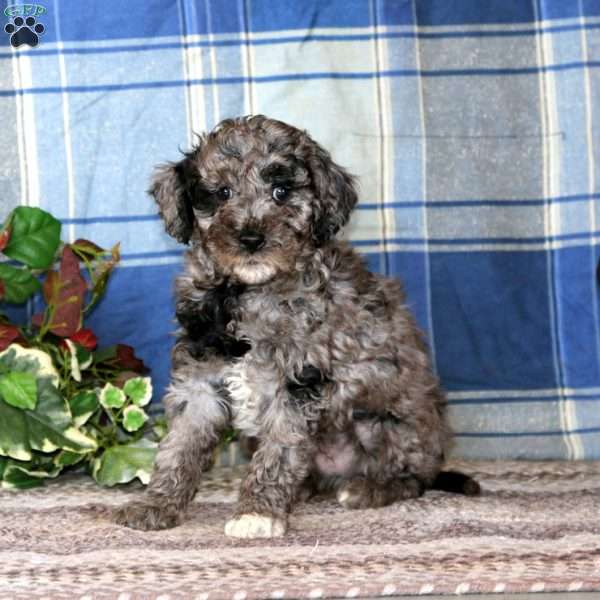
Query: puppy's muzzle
[[251, 240]]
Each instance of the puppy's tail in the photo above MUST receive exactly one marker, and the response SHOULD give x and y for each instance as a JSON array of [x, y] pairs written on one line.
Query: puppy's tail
[[456, 482]]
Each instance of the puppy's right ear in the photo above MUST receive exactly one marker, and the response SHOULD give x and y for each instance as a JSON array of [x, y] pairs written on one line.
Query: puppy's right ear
[[170, 188]]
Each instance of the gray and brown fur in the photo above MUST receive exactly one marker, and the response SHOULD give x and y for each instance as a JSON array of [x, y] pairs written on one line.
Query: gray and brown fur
[[287, 337]]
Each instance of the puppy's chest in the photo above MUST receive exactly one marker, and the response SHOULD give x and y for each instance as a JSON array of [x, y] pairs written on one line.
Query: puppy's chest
[[273, 325], [271, 317]]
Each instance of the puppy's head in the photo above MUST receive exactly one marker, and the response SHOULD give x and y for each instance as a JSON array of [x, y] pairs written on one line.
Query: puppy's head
[[256, 194]]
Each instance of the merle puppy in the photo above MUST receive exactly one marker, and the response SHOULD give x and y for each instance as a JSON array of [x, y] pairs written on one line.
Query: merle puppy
[[288, 338]]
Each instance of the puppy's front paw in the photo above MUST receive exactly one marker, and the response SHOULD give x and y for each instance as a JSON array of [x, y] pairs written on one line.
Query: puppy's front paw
[[254, 525], [147, 517]]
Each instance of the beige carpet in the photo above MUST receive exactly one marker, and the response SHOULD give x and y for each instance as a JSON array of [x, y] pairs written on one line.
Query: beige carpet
[[535, 528]]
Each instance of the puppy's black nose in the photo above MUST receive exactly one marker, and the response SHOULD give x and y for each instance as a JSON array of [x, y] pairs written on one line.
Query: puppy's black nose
[[252, 240]]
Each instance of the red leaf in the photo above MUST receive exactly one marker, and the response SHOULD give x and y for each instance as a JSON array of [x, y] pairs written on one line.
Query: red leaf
[[8, 334], [37, 319], [4, 238], [51, 287], [85, 338], [1, 289], [64, 291], [126, 358]]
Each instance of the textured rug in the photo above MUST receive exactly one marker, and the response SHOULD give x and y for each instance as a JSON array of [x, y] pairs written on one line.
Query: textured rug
[[535, 528]]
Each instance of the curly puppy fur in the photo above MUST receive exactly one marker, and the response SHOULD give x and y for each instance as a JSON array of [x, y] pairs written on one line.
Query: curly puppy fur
[[287, 337]]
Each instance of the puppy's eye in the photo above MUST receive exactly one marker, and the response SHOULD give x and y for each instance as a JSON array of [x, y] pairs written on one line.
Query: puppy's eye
[[224, 193], [280, 193]]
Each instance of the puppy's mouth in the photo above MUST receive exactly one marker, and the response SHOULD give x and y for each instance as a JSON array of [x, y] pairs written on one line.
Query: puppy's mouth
[[252, 261], [253, 271], [249, 268]]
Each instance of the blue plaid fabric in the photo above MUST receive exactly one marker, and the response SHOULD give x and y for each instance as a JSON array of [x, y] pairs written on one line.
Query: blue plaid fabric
[[474, 127]]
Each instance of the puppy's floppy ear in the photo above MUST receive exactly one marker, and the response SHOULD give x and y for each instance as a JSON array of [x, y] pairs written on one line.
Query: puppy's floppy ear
[[336, 193], [171, 189]]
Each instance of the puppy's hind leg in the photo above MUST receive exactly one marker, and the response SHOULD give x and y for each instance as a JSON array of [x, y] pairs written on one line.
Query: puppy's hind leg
[[363, 492], [197, 417], [394, 462]]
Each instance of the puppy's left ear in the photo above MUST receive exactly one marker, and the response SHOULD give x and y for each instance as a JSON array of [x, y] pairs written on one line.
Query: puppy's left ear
[[171, 190], [336, 192]]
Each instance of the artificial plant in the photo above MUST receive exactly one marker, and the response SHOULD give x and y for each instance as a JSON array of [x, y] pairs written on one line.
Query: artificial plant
[[64, 402]]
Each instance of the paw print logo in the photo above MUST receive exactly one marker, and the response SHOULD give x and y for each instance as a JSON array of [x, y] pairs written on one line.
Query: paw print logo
[[24, 31]]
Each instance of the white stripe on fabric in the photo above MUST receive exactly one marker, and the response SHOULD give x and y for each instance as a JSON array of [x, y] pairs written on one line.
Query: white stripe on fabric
[[20, 122], [410, 246], [62, 68], [30, 136], [214, 69], [185, 69], [153, 262], [381, 91], [551, 184], [247, 58], [537, 393], [591, 171], [547, 206], [196, 92], [567, 405], [538, 26], [426, 250], [26, 132]]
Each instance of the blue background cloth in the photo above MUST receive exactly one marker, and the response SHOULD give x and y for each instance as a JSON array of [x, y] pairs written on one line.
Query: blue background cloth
[[474, 129]]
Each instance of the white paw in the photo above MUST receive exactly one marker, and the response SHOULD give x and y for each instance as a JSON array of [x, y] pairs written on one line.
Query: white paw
[[342, 496], [255, 526], [353, 497]]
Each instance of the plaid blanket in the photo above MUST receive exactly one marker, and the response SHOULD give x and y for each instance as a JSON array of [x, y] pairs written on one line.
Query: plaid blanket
[[474, 127]]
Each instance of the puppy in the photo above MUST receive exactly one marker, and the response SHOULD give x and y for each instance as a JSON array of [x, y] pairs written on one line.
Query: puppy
[[288, 338]]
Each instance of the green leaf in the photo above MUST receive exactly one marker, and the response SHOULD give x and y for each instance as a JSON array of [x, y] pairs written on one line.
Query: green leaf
[[13, 433], [86, 248], [134, 418], [84, 358], [101, 273], [123, 463], [74, 363], [139, 390], [83, 405], [19, 284], [17, 479], [66, 458], [104, 354], [50, 426], [24, 475], [47, 428], [112, 397], [81, 359], [29, 360], [19, 389], [35, 236]]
